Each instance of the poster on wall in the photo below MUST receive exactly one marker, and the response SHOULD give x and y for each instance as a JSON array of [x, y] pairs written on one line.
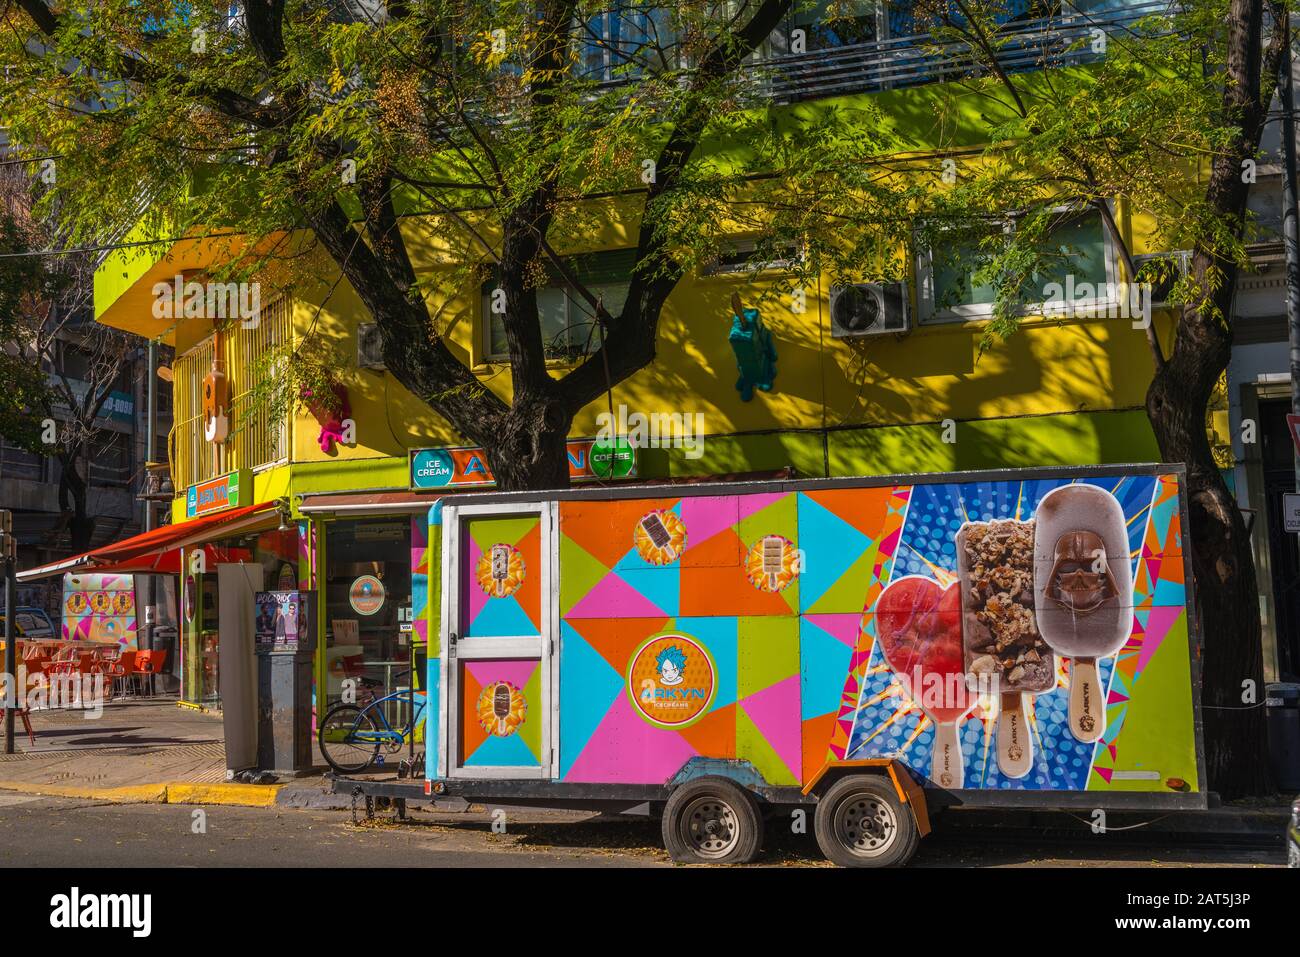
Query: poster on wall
[[99, 608], [1003, 634]]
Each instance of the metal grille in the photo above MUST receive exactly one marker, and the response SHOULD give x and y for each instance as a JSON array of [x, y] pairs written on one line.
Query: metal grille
[[254, 440]]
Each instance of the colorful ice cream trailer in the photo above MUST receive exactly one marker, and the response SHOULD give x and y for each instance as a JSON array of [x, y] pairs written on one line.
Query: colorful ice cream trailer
[[862, 648]]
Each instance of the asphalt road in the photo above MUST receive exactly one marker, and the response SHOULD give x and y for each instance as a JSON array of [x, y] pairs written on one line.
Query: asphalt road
[[50, 832]]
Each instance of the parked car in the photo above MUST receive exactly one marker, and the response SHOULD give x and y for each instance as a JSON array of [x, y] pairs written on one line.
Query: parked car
[[30, 623], [1293, 836]]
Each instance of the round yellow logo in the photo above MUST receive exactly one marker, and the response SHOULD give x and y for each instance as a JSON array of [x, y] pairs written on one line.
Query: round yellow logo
[[660, 537], [501, 708], [671, 680], [772, 563], [500, 571]]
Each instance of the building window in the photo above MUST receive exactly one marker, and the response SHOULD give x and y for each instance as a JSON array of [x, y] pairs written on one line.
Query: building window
[[568, 321], [952, 289]]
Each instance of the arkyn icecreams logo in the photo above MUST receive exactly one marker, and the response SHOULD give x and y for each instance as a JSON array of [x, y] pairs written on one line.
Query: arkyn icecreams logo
[[671, 680]]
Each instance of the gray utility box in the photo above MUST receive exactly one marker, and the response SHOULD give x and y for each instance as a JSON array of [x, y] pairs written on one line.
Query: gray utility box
[[286, 644]]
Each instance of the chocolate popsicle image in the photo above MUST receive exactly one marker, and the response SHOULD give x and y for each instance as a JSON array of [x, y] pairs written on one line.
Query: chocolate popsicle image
[[919, 627], [1004, 653], [1083, 591]]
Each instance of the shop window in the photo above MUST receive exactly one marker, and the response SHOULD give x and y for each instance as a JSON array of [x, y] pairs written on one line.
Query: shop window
[[367, 602], [567, 319], [952, 280]]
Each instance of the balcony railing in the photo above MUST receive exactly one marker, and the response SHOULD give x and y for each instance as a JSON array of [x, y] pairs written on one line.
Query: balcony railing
[[1063, 39], [254, 440]]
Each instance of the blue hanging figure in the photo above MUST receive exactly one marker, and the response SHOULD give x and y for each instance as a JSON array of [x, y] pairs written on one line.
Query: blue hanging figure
[[751, 341]]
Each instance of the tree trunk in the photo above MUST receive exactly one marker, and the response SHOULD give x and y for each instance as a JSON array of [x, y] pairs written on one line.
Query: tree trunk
[[1227, 597], [72, 502]]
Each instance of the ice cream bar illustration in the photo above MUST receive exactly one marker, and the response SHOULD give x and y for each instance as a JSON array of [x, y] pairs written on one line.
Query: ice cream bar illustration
[[654, 527], [1083, 591], [919, 626], [773, 559], [1005, 654], [500, 562], [501, 706]]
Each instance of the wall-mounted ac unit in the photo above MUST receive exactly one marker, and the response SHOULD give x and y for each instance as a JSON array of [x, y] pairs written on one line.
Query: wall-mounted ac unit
[[370, 348], [869, 309]]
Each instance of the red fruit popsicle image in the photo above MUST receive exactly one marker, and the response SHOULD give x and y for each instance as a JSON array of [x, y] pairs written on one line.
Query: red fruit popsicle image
[[919, 627]]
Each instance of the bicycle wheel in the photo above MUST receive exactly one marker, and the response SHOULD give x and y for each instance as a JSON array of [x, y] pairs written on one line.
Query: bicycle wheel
[[347, 739]]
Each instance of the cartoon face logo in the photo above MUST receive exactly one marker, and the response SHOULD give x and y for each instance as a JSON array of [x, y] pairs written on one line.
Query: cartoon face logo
[[671, 662], [671, 680]]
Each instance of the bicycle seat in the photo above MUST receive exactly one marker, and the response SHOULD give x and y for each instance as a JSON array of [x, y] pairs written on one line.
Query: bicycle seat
[[369, 682]]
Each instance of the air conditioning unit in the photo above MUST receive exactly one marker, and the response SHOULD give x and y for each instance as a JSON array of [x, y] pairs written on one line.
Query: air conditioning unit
[[869, 309], [1182, 260], [370, 348]]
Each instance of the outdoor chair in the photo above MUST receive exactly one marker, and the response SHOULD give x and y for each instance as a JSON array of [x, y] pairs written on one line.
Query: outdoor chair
[[148, 664]]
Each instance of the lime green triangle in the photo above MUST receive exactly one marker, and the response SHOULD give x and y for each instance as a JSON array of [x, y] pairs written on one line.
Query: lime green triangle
[[495, 531], [769, 652], [530, 732], [779, 518], [581, 573], [850, 591], [751, 746], [1158, 731]]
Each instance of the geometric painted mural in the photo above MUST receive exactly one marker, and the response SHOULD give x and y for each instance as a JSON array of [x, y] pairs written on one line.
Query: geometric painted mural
[[751, 627]]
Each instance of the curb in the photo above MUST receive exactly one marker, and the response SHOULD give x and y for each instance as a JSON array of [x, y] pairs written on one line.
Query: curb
[[164, 792]]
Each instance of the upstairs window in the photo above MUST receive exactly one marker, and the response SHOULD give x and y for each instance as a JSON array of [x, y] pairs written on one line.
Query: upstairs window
[[951, 287], [567, 319]]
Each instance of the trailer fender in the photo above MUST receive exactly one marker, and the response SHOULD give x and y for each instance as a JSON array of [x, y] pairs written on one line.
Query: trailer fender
[[909, 792]]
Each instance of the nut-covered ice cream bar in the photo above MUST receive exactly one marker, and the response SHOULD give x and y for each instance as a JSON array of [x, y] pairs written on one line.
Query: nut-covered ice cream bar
[[1003, 646]]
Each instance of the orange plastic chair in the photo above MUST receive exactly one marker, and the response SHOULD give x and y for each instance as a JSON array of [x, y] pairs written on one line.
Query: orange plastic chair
[[120, 670], [148, 664]]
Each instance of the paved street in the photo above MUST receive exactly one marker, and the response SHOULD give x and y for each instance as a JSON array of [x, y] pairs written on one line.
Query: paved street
[[37, 832]]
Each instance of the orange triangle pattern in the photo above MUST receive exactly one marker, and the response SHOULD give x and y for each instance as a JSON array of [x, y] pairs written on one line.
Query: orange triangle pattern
[[615, 639], [863, 508], [816, 733], [471, 732], [714, 735], [604, 529], [529, 593]]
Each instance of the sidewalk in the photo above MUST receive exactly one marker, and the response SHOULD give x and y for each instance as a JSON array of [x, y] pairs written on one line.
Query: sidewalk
[[136, 750]]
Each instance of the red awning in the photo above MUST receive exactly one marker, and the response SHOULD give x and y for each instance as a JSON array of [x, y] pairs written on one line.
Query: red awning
[[157, 551]]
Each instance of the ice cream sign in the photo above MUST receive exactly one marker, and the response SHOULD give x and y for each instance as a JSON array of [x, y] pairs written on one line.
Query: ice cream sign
[[589, 459], [216, 495]]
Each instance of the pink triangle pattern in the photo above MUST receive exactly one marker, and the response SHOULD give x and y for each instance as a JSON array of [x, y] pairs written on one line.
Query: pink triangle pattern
[[705, 516], [775, 712], [842, 627], [626, 750], [477, 598], [614, 598], [1160, 620], [1103, 772]]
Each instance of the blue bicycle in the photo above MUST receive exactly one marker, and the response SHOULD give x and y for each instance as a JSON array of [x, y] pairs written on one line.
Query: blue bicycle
[[351, 735]]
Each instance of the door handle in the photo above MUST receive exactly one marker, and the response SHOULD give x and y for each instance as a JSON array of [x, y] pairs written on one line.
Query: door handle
[[451, 644]]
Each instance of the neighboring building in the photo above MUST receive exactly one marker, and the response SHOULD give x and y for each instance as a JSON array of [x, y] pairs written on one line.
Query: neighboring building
[[351, 523], [29, 482]]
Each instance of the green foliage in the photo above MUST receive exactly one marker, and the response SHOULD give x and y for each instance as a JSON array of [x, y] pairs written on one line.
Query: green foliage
[[25, 283]]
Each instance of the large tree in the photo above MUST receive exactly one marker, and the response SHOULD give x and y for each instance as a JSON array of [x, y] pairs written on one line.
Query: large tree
[[519, 127]]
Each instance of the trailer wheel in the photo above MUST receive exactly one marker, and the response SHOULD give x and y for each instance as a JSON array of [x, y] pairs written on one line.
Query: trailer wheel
[[712, 821], [861, 822]]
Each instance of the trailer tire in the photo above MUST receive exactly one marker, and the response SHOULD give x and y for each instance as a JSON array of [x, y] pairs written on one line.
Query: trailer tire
[[861, 822], [712, 821]]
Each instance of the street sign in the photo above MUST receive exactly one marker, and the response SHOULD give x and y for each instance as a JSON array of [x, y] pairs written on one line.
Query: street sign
[[1293, 426], [1291, 511]]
